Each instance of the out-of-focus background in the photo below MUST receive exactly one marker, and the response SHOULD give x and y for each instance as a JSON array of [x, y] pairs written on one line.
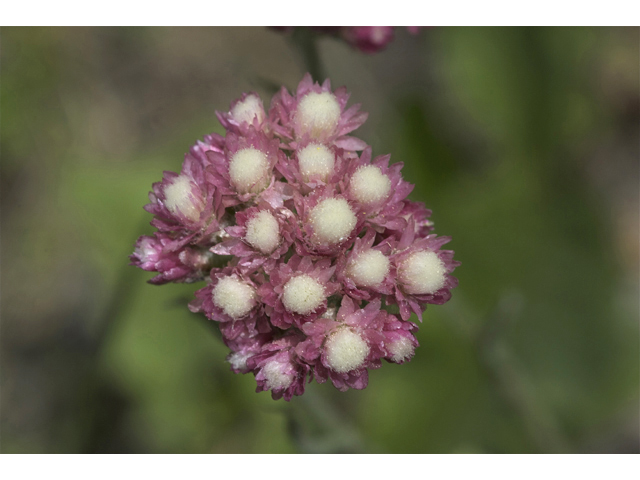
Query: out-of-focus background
[[524, 142]]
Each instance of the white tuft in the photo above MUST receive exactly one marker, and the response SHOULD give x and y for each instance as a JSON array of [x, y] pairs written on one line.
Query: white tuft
[[238, 360], [303, 294], [248, 109], [369, 268], [369, 185], [248, 170], [145, 251], [179, 199], [316, 160], [332, 221], [422, 272], [263, 232], [234, 297], [330, 313], [275, 376], [401, 349], [318, 114], [346, 351]]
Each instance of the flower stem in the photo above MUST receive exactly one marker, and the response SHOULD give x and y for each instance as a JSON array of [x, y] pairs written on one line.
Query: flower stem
[[316, 425], [305, 41]]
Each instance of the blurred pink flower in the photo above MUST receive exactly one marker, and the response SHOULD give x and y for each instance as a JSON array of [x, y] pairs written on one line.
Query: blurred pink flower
[[365, 39]]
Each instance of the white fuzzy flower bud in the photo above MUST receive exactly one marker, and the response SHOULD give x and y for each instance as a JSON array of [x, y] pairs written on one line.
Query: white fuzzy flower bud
[[332, 220], [248, 170], [146, 250], [369, 185], [422, 272], [401, 349], [234, 297], [263, 232], [369, 268], [303, 294], [346, 351], [179, 198], [318, 114], [238, 361], [275, 376], [248, 109], [316, 160]]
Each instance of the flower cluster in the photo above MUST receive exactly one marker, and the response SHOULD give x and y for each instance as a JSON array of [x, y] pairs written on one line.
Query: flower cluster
[[365, 39], [305, 241]]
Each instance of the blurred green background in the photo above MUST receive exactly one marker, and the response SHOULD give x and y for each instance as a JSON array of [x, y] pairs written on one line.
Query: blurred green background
[[523, 141]]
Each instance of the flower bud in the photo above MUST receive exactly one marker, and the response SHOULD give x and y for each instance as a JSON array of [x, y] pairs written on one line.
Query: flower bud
[[346, 350], [316, 160], [318, 114], [369, 185], [249, 170], [303, 294], [234, 297], [332, 220], [183, 198], [248, 109], [369, 268], [263, 232], [422, 272]]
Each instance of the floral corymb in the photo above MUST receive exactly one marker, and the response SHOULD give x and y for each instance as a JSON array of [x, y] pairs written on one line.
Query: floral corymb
[[312, 255]]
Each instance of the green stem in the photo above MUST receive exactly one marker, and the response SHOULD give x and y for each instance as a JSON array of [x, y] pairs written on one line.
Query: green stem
[[305, 41], [316, 425]]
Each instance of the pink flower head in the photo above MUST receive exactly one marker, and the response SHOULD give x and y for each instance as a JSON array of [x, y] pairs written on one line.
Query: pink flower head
[[298, 291], [399, 340], [315, 113], [186, 203], [245, 169], [329, 222], [365, 272], [309, 239], [232, 300], [422, 272], [247, 111], [260, 236], [378, 190], [368, 39], [314, 164], [243, 347], [345, 348], [278, 369], [152, 253]]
